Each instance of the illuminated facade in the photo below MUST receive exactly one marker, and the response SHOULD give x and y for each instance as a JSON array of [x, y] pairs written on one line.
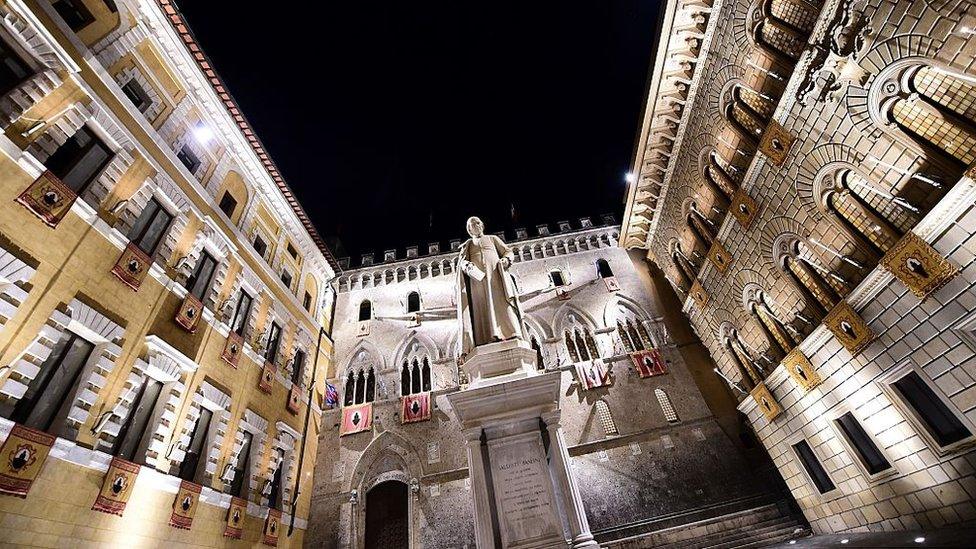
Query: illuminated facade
[[164, 301], [837, 297]]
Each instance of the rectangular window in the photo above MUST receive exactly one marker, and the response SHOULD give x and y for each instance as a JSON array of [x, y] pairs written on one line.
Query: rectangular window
[[228, 204], [298, 368], [274, 339], [48, 392], [241, 465], [74, 13], [134, 91], [79, 160], [865, 448], [557, 278], [813, 467], [13, 69], [198, 441], [189, 159], [149, 229], [133, 431], [199, 281], [935, 416], [241, 314], [274, 496], [259, 245], [292, 251], [286, 278], [307, 302]]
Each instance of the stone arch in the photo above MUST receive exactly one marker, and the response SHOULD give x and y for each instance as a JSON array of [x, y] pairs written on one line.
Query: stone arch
[[363, 354], [613, 308], [539, 326], [415, 343], [569, 315], [387, 452], [771, 233]]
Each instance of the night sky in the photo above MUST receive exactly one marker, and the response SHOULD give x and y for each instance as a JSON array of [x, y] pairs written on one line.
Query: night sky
[[393, 121]]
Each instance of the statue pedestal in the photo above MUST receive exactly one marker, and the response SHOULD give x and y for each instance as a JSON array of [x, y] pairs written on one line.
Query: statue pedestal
[[525, 496]]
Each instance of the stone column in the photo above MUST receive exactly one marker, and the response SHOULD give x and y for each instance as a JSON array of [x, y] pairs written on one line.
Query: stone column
[[579, 526], [483, 531]]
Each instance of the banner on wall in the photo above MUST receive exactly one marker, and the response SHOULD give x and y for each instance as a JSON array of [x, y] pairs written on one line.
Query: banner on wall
[[117, 486], [649, 363], [611, 283], [188, 315], [235, 518], [415, 408], [185, 505], [271, 527], [232, 349], [132, 266], [48, 198], [294, 399], [356, 419], [592, 374], [21, 458], [267, 377]]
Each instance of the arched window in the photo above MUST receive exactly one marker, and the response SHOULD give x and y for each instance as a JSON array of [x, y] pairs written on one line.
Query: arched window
[[936, 108], [686, 269], [718, 179], [606, 418], [370, 386], [633, 335], [782, 27], [415, 375], [425, 374], [405, 379], [574, 354], [603, 269], [580, 344], [743, 359], [877, 224], [701, 228], [416, 381], [539, 362], [360, 387], [749, 113], [350, 397], [413, 302], [665, 401], [820, 287], [779, 339], [365, 310]]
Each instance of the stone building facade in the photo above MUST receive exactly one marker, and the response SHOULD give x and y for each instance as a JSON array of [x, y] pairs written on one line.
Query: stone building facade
[[163, 298], [838, 296], [648, 453]]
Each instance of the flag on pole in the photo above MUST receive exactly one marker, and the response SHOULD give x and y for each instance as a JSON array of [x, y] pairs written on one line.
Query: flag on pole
[[331, 395]]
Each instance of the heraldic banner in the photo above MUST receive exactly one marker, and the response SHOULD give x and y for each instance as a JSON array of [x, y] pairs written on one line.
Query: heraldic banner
[[21, 458], [235, 518], [116, 487], [649, 363], [185, 505], [415, 408], [356, 419], [189, 313], [271, 527], [592, 374]]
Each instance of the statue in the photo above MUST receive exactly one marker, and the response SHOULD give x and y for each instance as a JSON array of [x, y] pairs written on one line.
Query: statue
[[487, 300]]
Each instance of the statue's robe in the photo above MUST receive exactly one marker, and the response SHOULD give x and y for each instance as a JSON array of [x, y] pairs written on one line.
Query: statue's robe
[[488, 309]]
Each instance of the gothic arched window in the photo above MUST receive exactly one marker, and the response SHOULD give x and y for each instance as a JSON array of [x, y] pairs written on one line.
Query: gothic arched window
[[413, 302], [365, 310], [539, 362]]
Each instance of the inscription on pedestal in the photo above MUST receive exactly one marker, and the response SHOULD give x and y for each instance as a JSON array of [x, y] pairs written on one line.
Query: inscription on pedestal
[[523, 490]]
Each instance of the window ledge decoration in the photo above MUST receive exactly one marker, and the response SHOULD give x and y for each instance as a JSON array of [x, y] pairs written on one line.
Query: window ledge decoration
[[132, 266], [294, 399], [23, 454], [719, 257], [612, 284], [743, 208], [918, 266], [188, 315], [853, 333], [699, 294], [767, 402], [235, 518], [800, 369], [48, 198], [232, 349], [271, 527], [267, 377], [648, 363], [356, 419], [185, 505], [415, 408], [563, 293], [592, 374], [776, 143], [116, 487]]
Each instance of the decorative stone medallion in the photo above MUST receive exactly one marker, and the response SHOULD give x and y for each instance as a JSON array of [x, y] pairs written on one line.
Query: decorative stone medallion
[[776, 143], [918, 266], [719, 257], [853, 333], [698, 293], [766, 401], [743, 208], [800, 369]]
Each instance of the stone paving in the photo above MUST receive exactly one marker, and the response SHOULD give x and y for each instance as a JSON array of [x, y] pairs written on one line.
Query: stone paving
[[949, 537]]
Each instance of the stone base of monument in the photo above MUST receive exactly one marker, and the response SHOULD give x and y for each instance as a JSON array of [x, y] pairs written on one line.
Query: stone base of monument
[[499, 362], [524, 493]]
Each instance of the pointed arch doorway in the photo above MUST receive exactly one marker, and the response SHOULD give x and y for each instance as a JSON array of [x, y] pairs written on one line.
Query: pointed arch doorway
[[387, 516]]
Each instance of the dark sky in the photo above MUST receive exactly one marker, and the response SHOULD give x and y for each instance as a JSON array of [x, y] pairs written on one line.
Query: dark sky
[[393, 121]]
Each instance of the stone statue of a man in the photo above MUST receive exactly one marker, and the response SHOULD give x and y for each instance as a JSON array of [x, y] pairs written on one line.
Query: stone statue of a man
[[487, 300]]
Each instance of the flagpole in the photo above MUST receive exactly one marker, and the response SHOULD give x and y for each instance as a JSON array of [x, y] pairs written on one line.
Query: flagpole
[[308, 416]]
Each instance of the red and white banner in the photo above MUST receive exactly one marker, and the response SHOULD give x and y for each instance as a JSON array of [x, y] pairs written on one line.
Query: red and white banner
[[116, 487], [612, 284], [415, 408], [356, 419], [21, 458], [592, 374], [189, 313], [649, 363]]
